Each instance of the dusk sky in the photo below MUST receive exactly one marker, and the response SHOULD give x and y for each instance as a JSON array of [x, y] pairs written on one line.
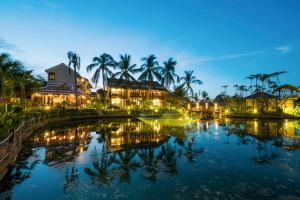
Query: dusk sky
[[222, 41]]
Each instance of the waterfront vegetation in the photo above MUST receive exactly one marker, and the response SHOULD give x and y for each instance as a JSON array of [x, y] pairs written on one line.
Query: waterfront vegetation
[[17, 83]]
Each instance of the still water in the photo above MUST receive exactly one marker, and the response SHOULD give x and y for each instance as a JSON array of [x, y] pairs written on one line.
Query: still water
[[159, 159]]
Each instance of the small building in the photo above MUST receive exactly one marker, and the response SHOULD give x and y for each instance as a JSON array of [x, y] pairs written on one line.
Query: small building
[[60, 89], [123, 93], [269, 102]]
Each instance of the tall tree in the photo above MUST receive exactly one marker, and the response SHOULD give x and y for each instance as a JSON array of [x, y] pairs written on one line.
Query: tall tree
[[277, 74], [150, 71], [242, 89], [236, 86], [74, 60], [251, 77], [225, 88], [263, 78], [126, 70], [168, 73], [8, 69], [256, 77], [102, 64], [189, 79], [204, 95]]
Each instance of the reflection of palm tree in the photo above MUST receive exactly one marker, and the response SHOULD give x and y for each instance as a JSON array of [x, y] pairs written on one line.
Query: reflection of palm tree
[[168, 156], [126, 164], [263, 155], [70, 177], [190, 151], [150, 162], [102, 170]]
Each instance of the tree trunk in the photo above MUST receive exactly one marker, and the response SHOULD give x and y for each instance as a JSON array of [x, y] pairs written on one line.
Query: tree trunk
[[76, 92], [104, 86]]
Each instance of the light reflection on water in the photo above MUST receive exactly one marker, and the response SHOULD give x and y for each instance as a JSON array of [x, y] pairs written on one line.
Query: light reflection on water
[[133, 159]]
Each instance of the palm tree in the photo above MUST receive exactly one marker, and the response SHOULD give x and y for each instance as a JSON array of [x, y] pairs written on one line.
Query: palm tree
[[8, 69], [243, 89], [277, 76], [150, 70], [225, 87], [263, 78], [236, 86], [102, 65], [126, 69], [168, 73], [204, 95], [24, 79], [256, 76], [180, 94], [251, 77], [74, 60], [189, 79]]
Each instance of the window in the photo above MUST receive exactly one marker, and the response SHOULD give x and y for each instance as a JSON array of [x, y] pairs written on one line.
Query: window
[[51, 76]]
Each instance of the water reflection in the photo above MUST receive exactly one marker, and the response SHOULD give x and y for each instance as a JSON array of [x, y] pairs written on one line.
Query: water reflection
[[283, 133], [204, 160]]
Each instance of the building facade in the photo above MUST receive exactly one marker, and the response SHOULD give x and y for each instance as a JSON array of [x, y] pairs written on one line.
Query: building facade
[[60, 89], [269, 102], [134, 94]]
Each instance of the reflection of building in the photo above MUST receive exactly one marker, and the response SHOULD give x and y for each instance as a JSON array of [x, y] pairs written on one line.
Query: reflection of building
[[119, 91], [133, 134], [63, 144], [285, 133], [60, 89]]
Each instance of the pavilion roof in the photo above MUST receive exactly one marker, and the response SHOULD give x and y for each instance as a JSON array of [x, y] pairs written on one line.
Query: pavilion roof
[[263, 95]]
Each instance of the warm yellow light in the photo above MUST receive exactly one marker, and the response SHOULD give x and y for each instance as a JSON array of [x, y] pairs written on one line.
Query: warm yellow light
[[47, 107], [216, 106], [255, 110]]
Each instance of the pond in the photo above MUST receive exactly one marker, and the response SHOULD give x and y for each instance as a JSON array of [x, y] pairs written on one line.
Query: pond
[[159, 159]]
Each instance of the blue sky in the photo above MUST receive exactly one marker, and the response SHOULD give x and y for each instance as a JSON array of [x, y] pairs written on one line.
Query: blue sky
[[222, 41]]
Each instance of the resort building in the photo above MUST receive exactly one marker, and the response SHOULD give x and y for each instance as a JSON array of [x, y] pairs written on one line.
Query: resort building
[[269, 102], [60, 89], [136, 94]]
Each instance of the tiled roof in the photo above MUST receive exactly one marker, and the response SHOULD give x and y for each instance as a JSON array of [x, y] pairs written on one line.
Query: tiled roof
[[119, 83]]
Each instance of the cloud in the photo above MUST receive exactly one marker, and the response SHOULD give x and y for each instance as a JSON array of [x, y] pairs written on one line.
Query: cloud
[[283, 49], [186, 59], [7, 46]]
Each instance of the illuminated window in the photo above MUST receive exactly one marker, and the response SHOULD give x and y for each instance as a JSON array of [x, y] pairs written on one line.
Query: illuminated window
[[51, 76]]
